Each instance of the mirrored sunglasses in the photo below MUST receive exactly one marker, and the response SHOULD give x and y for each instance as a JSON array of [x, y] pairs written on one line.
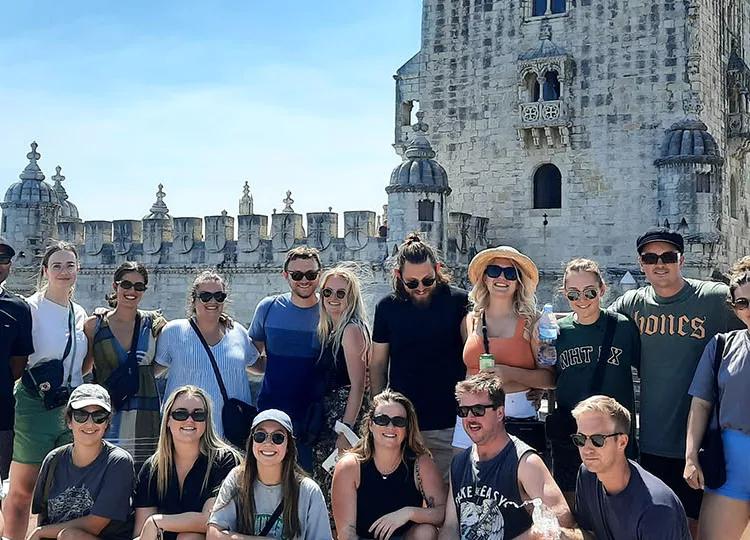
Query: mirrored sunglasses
[[138, 285], [206, 296], [494, 271], [588, 294]]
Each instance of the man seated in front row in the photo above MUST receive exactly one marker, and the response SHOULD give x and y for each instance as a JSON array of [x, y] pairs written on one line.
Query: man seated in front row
[[615, 497], [494, 481]]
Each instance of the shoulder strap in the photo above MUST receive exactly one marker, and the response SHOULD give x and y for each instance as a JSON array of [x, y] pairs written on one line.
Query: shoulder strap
[[485, 338], [133, 353], [71, 342], [272, 520], [219, 380], [721, 340], [601, 363]]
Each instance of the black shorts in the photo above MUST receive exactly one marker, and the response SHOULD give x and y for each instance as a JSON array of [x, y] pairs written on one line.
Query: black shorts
[[670, 471]]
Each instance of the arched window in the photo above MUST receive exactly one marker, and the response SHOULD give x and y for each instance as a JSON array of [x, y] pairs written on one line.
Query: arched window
[[531, 84], [547, 187], [733, 197], [551, 86]]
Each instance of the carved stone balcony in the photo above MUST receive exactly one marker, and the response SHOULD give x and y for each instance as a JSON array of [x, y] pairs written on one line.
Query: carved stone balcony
[[739, 125], [543, 121]]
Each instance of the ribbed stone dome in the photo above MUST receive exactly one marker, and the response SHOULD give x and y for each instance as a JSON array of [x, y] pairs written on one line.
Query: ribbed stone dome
[[689, 141], [419, 171], [32, 188], [68, 211]]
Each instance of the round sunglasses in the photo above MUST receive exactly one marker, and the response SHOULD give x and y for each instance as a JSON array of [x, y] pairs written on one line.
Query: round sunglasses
[[81, 416], [328, 292], [597, 439], [588, 294], [127, 285], [383, 420], [206, 296], [277, 437], [199, 415], [414, 283]]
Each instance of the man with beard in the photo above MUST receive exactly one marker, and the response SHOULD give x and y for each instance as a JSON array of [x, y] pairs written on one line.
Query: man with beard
[[615, 497], [418, 343], [493, 482], [284, 330], [15, 347]]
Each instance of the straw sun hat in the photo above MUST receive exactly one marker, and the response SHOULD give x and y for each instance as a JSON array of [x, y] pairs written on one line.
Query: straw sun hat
[[526, 266]]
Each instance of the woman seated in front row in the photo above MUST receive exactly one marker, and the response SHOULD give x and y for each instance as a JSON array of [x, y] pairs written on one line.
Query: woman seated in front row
[[269, 495], [388, 486], [177, 486], [83, 489]]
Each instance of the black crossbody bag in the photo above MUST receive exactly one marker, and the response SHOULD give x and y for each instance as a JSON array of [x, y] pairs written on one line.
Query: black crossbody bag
[[236, 415], [711, 453], [124, 381], [560, 422]]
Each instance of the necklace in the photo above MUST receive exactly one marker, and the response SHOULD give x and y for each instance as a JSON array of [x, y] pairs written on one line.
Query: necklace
[[386, 475]]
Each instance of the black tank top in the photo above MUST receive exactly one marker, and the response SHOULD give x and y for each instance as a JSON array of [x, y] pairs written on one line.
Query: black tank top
[[333, 370], [378, 496], [488, 501]]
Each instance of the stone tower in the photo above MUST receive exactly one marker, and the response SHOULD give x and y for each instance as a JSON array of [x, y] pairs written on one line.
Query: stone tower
[[416, 193], [30, 210], [573, 125]]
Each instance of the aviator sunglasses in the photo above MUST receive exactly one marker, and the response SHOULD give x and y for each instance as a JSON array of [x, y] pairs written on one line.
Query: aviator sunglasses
[[414, 283], [598, 440], [588, 294], [310, 275], [668, 257], [199, 415], [383, 420], [340, 293], [81, 416], [138, 285], [277, 437], [476, 410], [494, 271], [206, 296]]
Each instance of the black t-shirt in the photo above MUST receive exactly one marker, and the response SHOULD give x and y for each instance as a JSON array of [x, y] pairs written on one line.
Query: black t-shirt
[[193, 496], [426, 351], [15, 340]]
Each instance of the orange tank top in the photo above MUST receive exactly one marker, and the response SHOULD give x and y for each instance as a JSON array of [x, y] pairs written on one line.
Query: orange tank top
[[513, 351]]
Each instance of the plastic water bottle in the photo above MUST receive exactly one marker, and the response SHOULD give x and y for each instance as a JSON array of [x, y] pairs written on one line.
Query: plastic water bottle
[[548, 331], [545, 521]]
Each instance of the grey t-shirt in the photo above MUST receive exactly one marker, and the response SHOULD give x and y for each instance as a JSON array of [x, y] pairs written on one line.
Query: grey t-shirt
[[734, 380], [645, 510], [102, 488], [313, 515], [674, 331]]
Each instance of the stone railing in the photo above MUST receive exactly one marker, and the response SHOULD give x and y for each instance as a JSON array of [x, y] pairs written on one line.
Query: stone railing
[[739, 124], [542, 113]]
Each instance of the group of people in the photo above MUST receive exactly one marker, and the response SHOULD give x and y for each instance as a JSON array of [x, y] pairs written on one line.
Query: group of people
[[428, 439]]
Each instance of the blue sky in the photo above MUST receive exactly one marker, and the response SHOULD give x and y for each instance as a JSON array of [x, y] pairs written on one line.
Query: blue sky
[[203, 96]]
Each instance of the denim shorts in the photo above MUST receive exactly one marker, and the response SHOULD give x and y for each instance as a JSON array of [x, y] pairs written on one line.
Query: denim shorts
[[736, 455]]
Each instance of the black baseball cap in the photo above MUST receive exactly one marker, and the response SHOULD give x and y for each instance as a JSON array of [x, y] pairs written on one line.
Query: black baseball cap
[[661, 234], [6, 248]]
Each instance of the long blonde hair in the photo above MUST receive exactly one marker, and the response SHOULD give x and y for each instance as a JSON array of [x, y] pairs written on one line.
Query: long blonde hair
[[365, 448], [524, 298], [210, 444], [330, 332]]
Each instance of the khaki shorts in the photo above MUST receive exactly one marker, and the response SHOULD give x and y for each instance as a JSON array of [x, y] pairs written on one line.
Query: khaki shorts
[[38, 430], [439, 441]]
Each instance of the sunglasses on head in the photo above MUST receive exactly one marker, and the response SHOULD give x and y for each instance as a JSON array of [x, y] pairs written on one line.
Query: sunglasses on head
[[598, 440], [740, 304], [277, 437], [199, 415], [81, 416], [310, 275], [588, 294], [414, 283], [668, 257], [138, 285], [340, 293], [476, 410], [494, 271], [383, 420], [206, 296]]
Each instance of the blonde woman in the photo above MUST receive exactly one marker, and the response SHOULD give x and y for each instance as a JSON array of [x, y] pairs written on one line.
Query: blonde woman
[[503, 323], [180, 348], [177, 486], [346, 343], [388, 486]]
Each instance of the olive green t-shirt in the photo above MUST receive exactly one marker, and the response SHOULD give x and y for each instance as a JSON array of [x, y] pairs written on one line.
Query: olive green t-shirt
[[674, 331], [577, 355]]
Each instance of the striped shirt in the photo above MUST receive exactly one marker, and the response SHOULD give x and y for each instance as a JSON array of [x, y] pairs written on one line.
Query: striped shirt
[[180, 350]]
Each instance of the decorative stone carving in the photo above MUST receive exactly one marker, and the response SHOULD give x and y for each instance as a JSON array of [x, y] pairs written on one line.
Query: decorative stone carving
[[96, 234], [322, 227], [286, 228], [481, 224], [246, 202], [219, 229], [359, 227], [70, 231], [126, 233], [154, 232], [187, 231], [462, 231], [252, 230]]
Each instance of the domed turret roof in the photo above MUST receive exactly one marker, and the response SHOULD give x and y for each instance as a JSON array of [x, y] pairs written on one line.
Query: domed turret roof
[[419, 171], [68, 211], [32, 188], [688, 141]]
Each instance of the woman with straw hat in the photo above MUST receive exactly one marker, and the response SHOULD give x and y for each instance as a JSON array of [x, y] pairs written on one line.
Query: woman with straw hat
[[503, 323]]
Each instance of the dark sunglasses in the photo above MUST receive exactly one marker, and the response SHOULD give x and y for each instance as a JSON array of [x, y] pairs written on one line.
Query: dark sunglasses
[[414, 283], [199, 415], [740, 304], [340, 293], [588, 294], [277, 437], [598, 440], [494, 271], [668, 257], [5, 259], [206, 296], [383, 420], [310, 275], [81, 416], [138, 285], [476, 410]]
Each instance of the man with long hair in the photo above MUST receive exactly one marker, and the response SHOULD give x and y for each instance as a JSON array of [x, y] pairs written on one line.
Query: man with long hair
[[418, 343], [284, 330]]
